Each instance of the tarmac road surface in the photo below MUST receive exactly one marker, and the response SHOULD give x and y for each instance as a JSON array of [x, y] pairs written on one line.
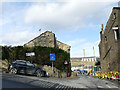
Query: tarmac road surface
[[82, 81], [15, 84]]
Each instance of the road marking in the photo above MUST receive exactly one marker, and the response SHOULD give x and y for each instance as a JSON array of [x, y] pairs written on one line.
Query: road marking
[[112, 86], [108, 86], [99, 86]]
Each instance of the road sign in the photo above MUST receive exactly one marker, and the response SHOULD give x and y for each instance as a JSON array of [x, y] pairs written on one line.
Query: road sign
[[114, 28], [65, 62], [30, 54], [52, 57]]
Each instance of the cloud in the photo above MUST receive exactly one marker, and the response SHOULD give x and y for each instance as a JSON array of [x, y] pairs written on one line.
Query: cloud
[[24, 0], [88, 46], [72, 14], [17, 38], [75, 42], [54, 15]]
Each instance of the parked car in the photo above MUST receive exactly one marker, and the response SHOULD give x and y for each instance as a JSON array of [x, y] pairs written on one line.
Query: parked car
[[25, 67]]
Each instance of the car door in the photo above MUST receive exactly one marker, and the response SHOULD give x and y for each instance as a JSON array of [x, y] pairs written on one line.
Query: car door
[[30, 68], [21, 67]]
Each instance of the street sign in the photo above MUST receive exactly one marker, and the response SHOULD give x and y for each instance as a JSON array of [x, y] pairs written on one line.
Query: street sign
[[65, 62], [114, 28], [30, 54], [52, 57]]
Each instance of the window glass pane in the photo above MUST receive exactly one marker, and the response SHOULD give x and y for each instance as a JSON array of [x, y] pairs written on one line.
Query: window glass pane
[[29, 64], [21, 62]]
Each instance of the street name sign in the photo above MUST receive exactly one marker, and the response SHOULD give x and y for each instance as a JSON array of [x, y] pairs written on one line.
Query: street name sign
[[114, 28], [65, 62], [30, 54]]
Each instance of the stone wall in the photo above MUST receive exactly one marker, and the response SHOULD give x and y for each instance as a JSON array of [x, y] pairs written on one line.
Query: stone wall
[[63, 46], [47, 39], [109, 46]]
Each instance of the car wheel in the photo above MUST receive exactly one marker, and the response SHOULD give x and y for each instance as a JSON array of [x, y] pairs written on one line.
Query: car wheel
[[13, 70], [39, 74]]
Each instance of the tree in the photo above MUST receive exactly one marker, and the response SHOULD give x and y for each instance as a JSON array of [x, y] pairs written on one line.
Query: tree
[[97, 63]]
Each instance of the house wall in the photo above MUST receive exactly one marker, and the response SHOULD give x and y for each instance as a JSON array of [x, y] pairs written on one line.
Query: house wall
[[109, 46], [47, 39], [63, 46]]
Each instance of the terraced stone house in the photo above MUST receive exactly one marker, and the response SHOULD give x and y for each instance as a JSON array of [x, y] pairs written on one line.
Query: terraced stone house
[[48, 39], [109, 45]]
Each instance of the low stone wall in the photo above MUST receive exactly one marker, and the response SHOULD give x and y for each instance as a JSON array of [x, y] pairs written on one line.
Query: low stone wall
[[73, 74], [57, 73], [4, 65], [49, 70]]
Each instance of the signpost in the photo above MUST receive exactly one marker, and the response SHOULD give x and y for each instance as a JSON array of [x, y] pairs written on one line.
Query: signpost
[[114, 28], [65, 62], [30, 54], [52, 58]]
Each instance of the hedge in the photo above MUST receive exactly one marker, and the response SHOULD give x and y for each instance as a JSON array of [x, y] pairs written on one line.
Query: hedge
[[42, 55]]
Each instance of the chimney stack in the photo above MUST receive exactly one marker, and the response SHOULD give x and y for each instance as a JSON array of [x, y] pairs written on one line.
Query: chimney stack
[[93, 51], [84, 52], [102, 28]]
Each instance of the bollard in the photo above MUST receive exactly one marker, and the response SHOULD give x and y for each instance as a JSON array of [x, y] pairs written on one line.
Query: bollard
[[113, 78]]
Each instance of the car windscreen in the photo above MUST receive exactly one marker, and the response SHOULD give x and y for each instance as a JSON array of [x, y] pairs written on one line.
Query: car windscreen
[[20, 62], [29, 64]]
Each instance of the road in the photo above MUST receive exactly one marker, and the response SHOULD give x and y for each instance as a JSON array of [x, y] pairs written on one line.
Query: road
[[82, 81], [15, 84]]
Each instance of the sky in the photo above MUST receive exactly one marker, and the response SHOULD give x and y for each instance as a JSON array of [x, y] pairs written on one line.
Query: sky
[[74, 22]]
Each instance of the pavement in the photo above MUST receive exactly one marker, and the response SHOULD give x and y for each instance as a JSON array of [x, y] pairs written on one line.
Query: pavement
[[82, 81]]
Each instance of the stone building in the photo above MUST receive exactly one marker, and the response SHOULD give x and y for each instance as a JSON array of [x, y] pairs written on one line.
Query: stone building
[[109, 46], [83, 63], [48, 39]]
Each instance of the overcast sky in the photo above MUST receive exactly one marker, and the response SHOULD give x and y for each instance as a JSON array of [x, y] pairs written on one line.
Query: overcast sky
[[74, 22]]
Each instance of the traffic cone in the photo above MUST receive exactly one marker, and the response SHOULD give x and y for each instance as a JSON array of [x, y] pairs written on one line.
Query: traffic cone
[[105, 75], [117, 76], [113, 78]]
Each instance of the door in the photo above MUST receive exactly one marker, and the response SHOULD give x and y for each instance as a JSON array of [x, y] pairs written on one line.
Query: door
[[30, 68], [21, 67]]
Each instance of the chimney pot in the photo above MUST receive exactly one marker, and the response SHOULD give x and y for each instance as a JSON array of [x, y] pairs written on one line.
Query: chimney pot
[[102, 28]]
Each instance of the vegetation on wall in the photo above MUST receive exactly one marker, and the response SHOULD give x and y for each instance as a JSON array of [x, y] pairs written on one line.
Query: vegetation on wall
[[42, 55]]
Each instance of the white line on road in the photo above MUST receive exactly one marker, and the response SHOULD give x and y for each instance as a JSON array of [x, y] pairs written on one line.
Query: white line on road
[[108, 86], [99, 86], [112, 86]]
